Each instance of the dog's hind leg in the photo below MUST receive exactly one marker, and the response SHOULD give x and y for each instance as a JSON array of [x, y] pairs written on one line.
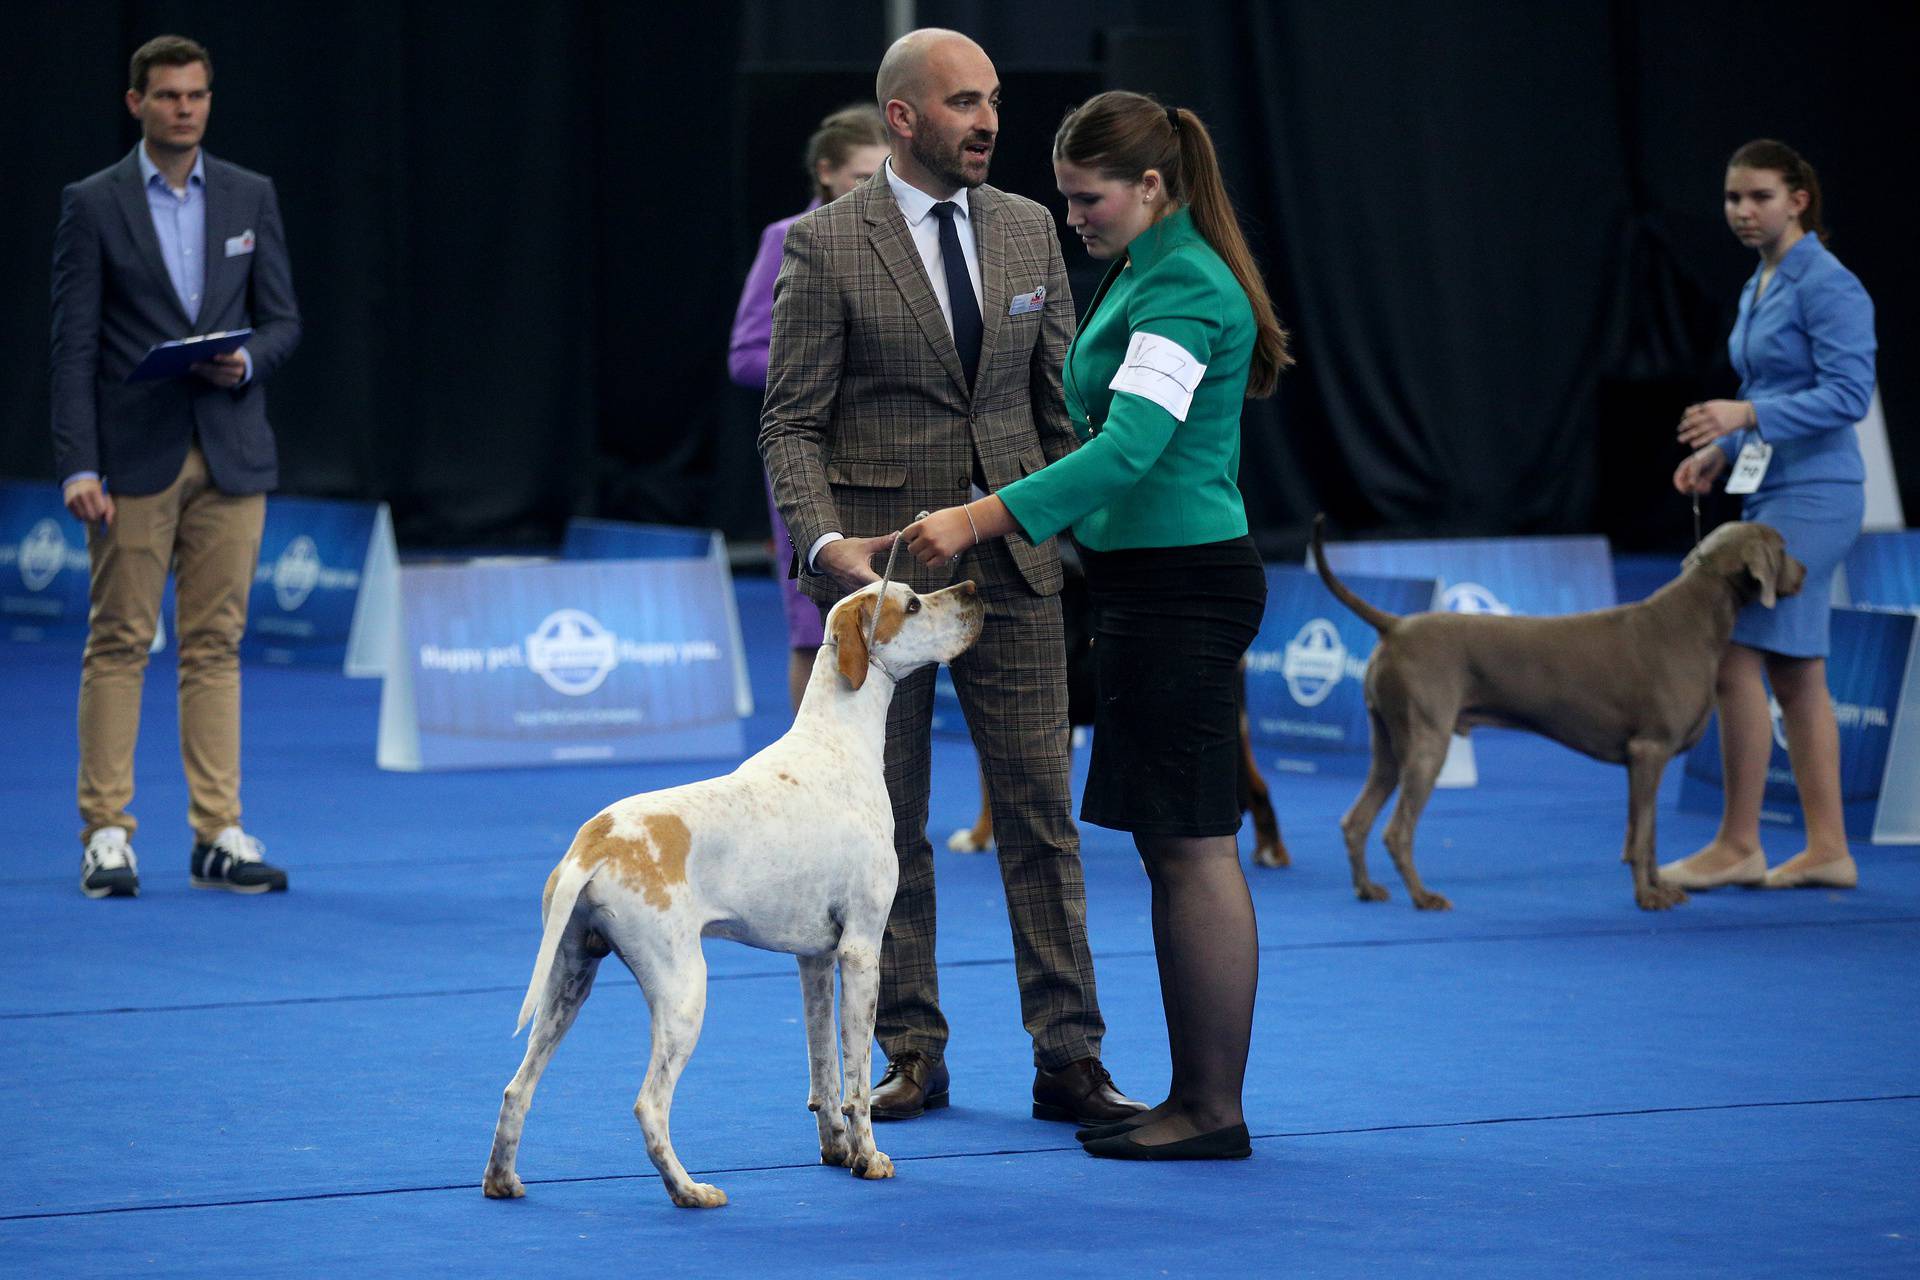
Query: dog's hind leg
[[675, 981], [1646, 761], [859, 990], [1420, 765], [1383, 775], [823, 1090], [568, 984], [1269, 850]]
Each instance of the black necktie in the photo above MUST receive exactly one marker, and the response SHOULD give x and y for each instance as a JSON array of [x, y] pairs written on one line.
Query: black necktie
[[960, 299]]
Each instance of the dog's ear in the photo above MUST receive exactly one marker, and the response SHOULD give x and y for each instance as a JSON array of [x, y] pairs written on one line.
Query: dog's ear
[[1764, 560], [850, 639]]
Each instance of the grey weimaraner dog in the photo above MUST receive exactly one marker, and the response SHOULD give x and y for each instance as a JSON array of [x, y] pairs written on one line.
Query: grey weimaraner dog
[[1630, 685]]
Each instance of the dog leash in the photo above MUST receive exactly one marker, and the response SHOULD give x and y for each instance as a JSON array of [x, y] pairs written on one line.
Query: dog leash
[[886, 578], [1696, 521]]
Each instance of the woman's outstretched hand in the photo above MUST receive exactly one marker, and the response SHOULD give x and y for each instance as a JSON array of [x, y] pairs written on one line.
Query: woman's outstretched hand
[[1697, 472], [940, 538]]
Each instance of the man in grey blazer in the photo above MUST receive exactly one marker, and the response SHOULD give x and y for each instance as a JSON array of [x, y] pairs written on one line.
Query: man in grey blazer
[[167, 474], [919, 328]]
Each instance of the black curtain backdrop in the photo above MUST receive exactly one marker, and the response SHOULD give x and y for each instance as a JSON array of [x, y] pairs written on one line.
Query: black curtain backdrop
[[518, 235]]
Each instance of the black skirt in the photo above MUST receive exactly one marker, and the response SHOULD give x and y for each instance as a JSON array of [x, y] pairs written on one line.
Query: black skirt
[[1170, 625]]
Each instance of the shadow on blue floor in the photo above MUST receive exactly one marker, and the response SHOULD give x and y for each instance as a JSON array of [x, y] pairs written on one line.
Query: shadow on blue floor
[[1543, 1078]]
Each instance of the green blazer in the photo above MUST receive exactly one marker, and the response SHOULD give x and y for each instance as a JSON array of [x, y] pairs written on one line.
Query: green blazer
[[1153, 469]]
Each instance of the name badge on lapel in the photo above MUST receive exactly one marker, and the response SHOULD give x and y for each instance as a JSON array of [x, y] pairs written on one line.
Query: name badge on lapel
[[1025, 302], [240, 244]]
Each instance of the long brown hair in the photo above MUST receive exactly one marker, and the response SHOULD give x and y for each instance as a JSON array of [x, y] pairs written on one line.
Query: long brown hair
[[856, 126], [1794, 171], [1120, 136]]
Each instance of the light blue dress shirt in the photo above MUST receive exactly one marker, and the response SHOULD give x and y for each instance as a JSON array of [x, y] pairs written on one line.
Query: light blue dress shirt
[[1804, 352], [180, 222]]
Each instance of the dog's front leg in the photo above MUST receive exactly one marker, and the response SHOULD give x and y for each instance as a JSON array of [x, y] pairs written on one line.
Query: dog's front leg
[[816, 993], [676, 987], [1646, 761], [859, 995]]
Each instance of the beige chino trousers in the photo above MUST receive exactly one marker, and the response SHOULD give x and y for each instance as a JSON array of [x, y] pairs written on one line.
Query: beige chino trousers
[[210, 541]]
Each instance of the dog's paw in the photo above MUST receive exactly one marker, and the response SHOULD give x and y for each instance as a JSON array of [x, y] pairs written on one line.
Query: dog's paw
[[502, 1184], [1427, 900], [837, 1153], [964, 841], [873, 1167], [699, 1195], [1659, 897], [1271, 855], [1371, 892]]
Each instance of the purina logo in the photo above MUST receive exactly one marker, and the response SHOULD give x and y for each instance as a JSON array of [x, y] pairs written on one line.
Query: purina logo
[[43, 554], [1471, 597], [296, 573], [1313, 663], [572, 652]]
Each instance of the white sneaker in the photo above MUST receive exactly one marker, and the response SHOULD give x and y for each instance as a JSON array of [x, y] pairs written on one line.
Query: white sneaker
[[232, 861], [108, 869]]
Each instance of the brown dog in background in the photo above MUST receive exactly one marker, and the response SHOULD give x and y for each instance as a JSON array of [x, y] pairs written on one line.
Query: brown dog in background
[[1268, 848], [1630, 685]]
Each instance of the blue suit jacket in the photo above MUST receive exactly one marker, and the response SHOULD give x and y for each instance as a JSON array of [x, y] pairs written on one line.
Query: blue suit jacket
[[112, 300]]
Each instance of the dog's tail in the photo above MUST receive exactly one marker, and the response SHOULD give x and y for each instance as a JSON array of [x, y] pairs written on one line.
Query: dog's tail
[[568, 882], [1379, 619]]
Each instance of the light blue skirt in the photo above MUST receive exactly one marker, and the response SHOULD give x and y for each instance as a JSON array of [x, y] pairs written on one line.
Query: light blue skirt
[[1820, 522]]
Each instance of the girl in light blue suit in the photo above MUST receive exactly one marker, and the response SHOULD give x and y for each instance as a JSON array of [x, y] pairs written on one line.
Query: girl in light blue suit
[[1803, 346]]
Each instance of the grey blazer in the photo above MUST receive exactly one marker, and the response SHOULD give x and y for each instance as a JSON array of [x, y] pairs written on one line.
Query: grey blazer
[[868, 419], [112, 300]]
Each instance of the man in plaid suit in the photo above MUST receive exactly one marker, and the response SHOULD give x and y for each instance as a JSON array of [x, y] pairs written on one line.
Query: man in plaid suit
[[919, 328]]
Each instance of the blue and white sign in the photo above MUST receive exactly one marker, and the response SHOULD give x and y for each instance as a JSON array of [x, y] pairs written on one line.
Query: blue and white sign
[[556, 663], [323, 594], [1306, 670], [591, 539], [1881, 572], [45, 571], [43, 565], [1873, 671], [1539, 576]]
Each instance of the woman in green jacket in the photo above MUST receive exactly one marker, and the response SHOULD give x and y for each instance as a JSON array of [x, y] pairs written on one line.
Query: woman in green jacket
[[1179, 335]]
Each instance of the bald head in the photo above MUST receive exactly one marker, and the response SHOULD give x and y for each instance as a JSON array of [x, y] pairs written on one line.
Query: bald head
[[906, 69], [940, 97]]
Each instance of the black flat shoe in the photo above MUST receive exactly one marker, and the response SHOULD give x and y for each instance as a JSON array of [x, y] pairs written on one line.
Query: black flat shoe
[[1093, 1131], [1230, 1143]]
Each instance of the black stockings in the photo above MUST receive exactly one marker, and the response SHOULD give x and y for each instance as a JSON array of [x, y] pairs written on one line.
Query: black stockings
[[1207, 945]]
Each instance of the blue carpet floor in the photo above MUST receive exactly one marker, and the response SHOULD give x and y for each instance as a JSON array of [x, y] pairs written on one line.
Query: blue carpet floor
[[1544, 1079]]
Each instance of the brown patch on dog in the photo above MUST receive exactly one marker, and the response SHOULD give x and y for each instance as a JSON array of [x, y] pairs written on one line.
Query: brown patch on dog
[[546, 894], [850, 634], [787, 778], [652, 866]]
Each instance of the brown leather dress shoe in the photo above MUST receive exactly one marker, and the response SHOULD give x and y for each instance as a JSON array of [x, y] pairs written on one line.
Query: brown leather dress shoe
[[1081, 1092], [913, 1084]]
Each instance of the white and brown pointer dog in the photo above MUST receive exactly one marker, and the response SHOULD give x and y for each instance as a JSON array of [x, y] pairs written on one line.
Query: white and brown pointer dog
[[1631, 685], [793, 851]]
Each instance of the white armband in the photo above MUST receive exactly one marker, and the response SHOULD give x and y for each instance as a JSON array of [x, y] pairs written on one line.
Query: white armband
[[1161, 370]]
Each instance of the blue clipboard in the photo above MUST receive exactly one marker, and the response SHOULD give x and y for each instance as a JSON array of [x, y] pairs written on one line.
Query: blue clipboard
[[171, 359]]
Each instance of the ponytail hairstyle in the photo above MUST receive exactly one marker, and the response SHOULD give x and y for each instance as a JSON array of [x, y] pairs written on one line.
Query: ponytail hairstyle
[[1794, 171], [856, 126], [1120, 136]]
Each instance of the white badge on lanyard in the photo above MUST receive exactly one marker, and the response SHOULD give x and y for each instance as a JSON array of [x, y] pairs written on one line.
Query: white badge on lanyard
[[1750, 467]]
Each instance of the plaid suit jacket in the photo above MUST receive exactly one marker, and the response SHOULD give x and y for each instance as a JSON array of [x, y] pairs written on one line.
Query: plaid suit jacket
[[868, 419]]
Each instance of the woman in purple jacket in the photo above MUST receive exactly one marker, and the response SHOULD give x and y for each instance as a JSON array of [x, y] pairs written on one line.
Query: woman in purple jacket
[[844, 152], [1803, 346]]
